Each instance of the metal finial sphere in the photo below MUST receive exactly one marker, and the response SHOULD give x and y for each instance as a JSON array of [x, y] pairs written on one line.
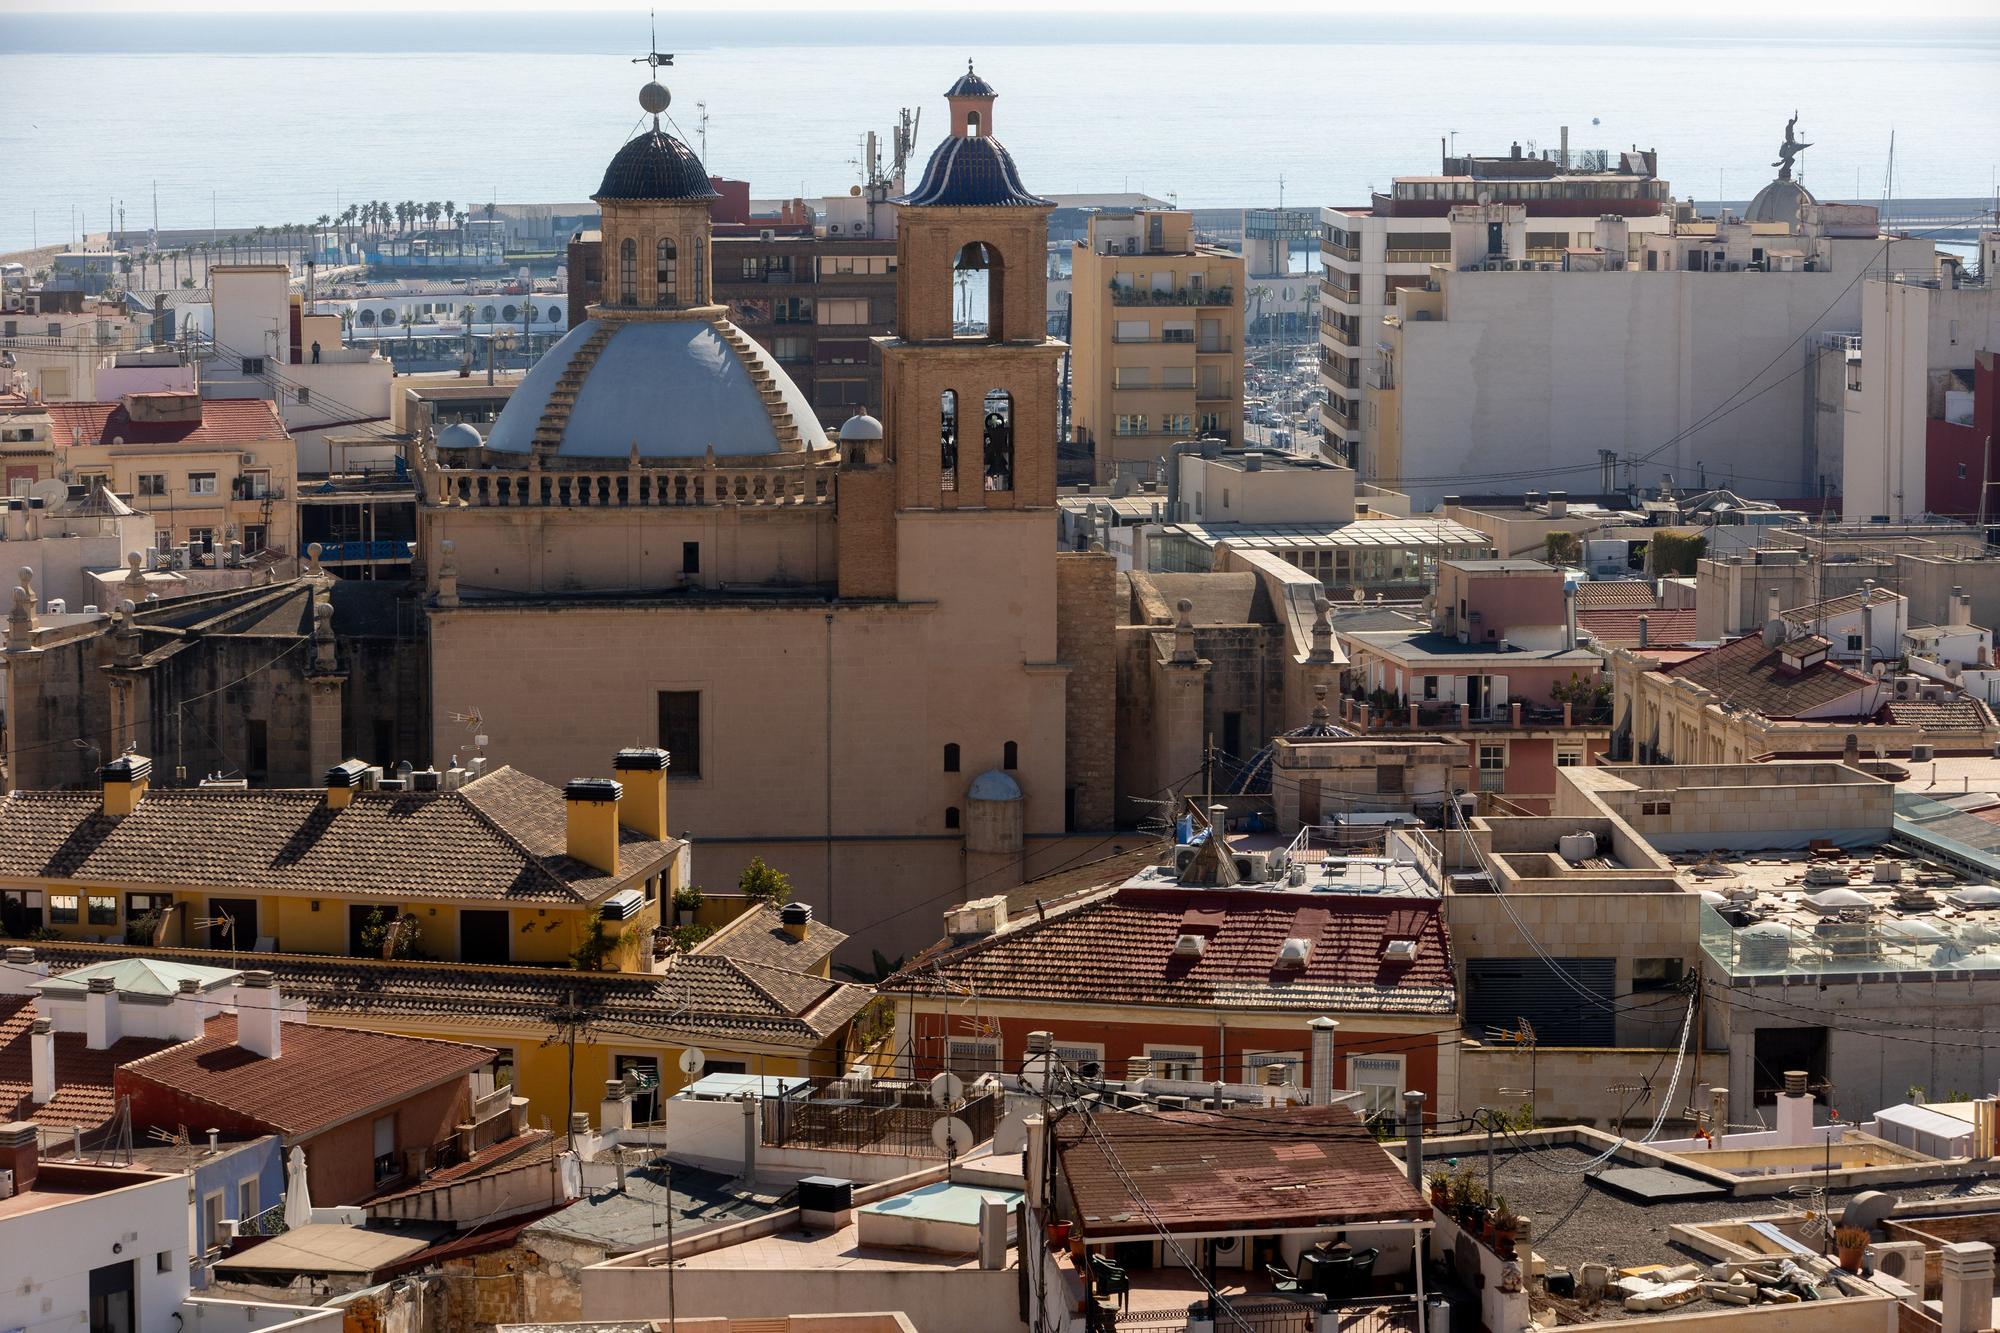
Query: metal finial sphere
[[655, 98]]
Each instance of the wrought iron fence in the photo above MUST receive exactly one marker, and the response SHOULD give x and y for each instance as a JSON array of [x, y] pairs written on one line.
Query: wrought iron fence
[[884, 1117]]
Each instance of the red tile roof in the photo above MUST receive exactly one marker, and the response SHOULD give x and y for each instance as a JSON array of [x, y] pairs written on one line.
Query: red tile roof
[[1618, 627], [1118, 948], [1615, 595], [322, 1077], [1749, 675], [84, 1077], [224, 422], [1243, 1169]]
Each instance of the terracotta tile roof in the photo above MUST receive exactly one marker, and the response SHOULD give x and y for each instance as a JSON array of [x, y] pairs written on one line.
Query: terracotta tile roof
[[1236, 1170], [1118, 948], [758, 936], [1106, 871], [84, 1077], [1615, 594], [1749, 675], [224, 422], [1959, 713], [1812, 612], [322, 1076], [529, 1148], [697, 997], [1618, 627], [499, 837]]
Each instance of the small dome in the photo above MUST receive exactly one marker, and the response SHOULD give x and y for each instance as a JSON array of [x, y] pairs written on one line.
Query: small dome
[[1781, 201], [461, 435], [993, 785], [971, 85], [972, 173], [860, 428], [656, 166]]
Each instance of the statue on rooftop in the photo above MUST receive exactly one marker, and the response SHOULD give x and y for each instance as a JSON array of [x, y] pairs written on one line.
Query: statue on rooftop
[[1789, 149]]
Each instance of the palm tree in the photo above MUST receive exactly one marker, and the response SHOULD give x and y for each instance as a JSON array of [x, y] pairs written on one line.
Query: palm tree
[[431, 211], [884, 968], [259, 233]]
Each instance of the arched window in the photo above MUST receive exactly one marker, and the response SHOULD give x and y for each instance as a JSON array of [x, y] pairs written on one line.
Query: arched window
[[666, 273], [951, 816], [700, 284], [948, 441], [972, 124], [367, 318], [977, 283], [1010, 756], [998, 423], [951, 758], [628, 272]]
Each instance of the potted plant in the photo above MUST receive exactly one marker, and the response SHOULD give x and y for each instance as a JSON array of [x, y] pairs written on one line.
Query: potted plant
[[1505, 1226], [1058, 1235], [1852, 1243], [1440, 1183]]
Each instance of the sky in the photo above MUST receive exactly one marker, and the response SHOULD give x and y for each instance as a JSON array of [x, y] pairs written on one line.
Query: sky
[[1823, 11]]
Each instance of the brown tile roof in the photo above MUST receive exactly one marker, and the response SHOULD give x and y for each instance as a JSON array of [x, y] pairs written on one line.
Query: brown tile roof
[[84, 1097], [1618, 627], [499, 837], [1104, 872], [531, 1147], [758, 936], [1246, 1169], [322, 1077], [1118, 948], [1958, 713], [697, 997], [1615, 595], [1749, 675], [224, 422], [1812, 612]]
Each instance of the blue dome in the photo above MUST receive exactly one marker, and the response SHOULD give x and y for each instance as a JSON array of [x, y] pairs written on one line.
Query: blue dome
[[993, 785], [672, 388], [656, 166], [460, 435], [971, 85], [972, 173]]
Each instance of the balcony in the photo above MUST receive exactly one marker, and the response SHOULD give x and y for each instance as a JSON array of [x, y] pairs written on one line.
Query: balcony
[[1213, 393], [1340, 333], [1181, 296], [1332, 253], [1346, 379], [1345, 295], [1429, 255]]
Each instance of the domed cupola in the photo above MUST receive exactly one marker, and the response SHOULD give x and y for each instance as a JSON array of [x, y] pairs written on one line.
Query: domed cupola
[[971, 168], [655, 166]]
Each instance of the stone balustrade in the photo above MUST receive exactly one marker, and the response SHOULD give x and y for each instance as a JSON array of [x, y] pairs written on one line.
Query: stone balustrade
[[789, 483]]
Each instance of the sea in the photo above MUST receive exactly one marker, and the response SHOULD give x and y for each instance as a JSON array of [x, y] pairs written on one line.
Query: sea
[[244, 120]]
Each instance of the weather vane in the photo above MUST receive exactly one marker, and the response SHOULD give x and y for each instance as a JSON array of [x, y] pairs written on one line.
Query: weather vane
[[654, 97]]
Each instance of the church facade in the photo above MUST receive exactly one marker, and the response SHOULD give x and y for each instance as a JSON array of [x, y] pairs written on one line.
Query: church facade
[[869, 662]]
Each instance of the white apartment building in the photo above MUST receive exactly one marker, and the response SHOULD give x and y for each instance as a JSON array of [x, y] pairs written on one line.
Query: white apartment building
[[1676, 353], [1912, 369], [1369, 252]]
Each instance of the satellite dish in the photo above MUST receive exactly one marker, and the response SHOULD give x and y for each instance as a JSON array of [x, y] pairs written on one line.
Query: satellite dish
[[692, 1060], [946, 1089], [1485, 197], [51, 490], [951, 1136]]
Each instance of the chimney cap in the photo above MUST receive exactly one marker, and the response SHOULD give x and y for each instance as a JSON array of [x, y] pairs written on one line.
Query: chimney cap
[[127, 768], [796, 914], [257, 979], [349, 774], [593, 789], [102, 985], [641, 759]]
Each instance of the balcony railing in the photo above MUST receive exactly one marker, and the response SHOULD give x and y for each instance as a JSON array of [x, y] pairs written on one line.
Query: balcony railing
[[780, 484], [1439, 255], [1214, 346], [1339, 332], [1331, 252], [1209, 393], [1345, 295], [873, 1117], [1176, 296]]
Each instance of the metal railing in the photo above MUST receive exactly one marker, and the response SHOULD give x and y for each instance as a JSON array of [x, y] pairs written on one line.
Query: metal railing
[[270, 1222], [886, 1117], [1438, 255], [1216, 345], [1177, 296]]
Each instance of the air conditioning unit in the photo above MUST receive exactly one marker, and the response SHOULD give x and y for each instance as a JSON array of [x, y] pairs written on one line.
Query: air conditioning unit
[[767, 234], [247, 460], [1899, 1259], [1256, 867], [1920, 754]]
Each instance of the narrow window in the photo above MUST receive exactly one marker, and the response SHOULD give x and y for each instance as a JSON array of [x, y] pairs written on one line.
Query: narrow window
[[680, 731], [999, 440], [690, 557], [951, 758], [666, 273], [628, 274], [951, 816], [1011, 756], [948, 440]]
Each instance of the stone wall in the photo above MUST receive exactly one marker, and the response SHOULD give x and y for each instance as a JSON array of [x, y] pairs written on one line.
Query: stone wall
[[1087, 589]]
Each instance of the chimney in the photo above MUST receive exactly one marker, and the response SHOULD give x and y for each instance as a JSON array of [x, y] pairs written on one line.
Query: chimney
[[992, 1235], [20, 1155], [1323, 1029], [1968, 1285], [1773, 606], [1795, 1111], [100, 1015], [1558, 504], [1032, 1160], [593, 821], [796, 918], [615, 1112], [643, 807], [42, 1061], [1644, 629], [1850, 749], [125, 780], [188, 1010], [342, 781], [1960, 612], [1718, 1112], [259, 1025], [21, 972]]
